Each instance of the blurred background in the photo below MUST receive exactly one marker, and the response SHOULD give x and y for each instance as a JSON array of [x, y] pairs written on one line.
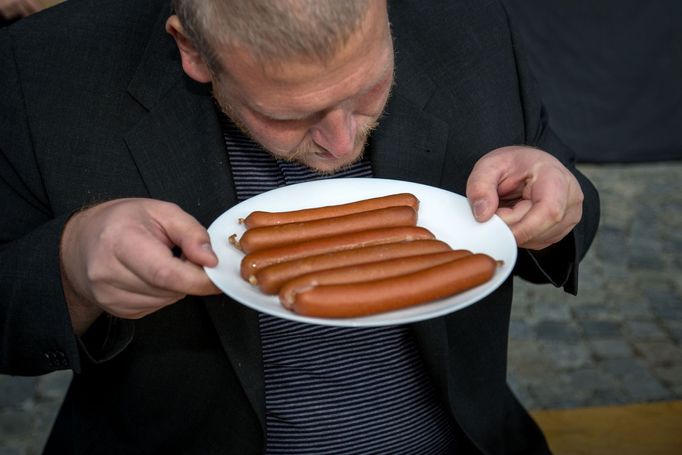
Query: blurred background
[[605, 365]]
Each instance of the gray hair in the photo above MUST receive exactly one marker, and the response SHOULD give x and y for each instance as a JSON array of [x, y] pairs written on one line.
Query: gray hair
[[271, 30]]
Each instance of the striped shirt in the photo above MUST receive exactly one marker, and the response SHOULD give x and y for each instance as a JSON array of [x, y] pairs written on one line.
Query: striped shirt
[[336, 390]]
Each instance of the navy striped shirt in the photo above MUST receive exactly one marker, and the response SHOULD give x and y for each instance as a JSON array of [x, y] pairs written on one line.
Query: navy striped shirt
[[336, 390]]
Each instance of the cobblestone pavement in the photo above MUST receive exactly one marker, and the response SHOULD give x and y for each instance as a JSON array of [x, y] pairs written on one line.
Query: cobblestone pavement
[[618, 341]]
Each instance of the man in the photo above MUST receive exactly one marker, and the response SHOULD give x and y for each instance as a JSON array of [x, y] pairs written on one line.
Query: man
[[115, 156]]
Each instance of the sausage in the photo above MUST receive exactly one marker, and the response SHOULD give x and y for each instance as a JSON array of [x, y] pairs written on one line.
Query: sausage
[[371, 297], [253, 262], [271, 278], [260, 238], [261, 218], [365, 272]]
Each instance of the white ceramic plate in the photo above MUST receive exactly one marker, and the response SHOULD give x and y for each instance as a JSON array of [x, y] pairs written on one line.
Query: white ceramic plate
[[445, 214]]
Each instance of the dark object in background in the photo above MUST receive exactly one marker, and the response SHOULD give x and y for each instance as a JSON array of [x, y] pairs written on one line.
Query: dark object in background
[[610, 73]]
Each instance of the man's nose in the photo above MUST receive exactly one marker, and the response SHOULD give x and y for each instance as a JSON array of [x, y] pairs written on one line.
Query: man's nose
[[335, 132]]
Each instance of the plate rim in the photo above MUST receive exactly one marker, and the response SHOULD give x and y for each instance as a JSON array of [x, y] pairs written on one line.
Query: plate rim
[[378, 320]]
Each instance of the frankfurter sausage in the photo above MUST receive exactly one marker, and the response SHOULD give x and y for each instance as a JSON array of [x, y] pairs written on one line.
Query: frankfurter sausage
[[365, 272], [260, 238], [253, 262], [371, 297], [272, 277], [261, 218]]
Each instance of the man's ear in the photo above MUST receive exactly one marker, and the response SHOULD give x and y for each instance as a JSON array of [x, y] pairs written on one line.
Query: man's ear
[[192, 62]]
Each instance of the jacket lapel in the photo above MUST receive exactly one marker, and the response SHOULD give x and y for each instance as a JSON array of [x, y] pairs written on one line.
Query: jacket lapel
[[410, 143], [179, 151]]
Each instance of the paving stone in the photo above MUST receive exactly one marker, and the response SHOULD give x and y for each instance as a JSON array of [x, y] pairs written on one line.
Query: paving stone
[[565, 356], [600, 329], [610, 348], [51, 387], [553, 395], [677, 391], [609, 397], [15, 424], [674, 329], [620, 368], [42, 425], [520, 330], [644, 331], [667, 310], [596, 311], [595, 297], [632, 309], [617, 273], [670, 375], [526, 361], [11, 450], [657, 353], [646, 388], [551, 311], [15, 391], [557, 331], [644, 258], [609, 247], [591, 380]]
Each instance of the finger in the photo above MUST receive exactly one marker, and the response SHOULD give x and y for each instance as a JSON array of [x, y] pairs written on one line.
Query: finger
[[34, 5], [156, 265], [481, 189], [10, 12], [558, 231], [512, 215], [25, 9], [186, 232], [542, 221], [29, 7]]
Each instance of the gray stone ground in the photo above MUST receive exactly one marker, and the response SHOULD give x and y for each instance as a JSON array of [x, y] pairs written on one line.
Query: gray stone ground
[[618, 341]]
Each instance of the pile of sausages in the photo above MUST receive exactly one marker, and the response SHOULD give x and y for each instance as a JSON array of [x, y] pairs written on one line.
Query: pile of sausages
[[354, 259]]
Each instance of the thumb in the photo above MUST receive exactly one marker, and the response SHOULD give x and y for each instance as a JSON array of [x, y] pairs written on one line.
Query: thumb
[[186, 232], [481, 191]]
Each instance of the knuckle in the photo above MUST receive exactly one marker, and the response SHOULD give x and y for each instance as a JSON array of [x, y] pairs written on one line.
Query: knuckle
[[96, 274], [163, 277], [523, 237], [580, 197], [168, 208], [555, 212]]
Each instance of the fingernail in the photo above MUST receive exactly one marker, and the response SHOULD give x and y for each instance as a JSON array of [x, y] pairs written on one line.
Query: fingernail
[[207, 247], [480, 208]]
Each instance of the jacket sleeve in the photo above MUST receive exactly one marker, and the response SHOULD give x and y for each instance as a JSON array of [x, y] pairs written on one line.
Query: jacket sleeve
[[551, 265], [36, 334]]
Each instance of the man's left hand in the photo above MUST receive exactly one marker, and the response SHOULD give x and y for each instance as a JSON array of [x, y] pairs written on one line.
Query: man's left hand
[[530, 190]]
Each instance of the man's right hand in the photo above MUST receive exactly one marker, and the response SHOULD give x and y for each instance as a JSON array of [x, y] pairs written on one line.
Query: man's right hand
[[117, 257]]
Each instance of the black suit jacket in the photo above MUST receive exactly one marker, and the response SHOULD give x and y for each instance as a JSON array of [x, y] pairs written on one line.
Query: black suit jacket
[[95, 106]]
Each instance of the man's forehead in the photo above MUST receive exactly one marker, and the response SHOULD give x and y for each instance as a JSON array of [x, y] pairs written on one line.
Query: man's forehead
[[293, 85], [365, 60]]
